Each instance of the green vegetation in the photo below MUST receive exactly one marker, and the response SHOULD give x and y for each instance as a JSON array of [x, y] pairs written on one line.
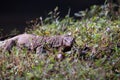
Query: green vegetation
[[94, 56]]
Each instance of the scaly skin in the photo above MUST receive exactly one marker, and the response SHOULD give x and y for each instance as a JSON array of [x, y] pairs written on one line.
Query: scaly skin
[[37, 43]]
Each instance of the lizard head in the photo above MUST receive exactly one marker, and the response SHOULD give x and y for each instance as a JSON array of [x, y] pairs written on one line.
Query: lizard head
[[68, 41]]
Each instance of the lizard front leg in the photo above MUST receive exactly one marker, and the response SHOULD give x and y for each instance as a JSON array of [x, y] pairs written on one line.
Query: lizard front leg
[[39, 49]]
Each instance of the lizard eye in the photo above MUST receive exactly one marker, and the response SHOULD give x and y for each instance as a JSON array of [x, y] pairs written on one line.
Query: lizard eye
[[66, 40]]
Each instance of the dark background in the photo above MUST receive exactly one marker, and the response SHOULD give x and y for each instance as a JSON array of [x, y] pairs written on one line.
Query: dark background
[[14, 14]]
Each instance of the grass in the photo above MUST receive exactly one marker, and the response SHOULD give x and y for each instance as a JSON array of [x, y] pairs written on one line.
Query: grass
[[94, 56]]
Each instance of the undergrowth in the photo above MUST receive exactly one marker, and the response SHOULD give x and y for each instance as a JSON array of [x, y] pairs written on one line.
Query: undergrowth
[[94, 56]]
